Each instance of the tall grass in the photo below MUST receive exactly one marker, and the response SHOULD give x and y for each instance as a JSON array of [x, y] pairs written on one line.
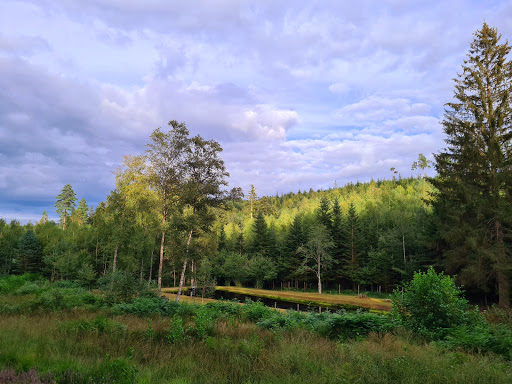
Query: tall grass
[[74, 346], [66, 335]]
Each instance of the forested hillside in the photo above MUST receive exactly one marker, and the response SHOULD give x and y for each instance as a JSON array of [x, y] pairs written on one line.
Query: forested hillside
[[368, 235]]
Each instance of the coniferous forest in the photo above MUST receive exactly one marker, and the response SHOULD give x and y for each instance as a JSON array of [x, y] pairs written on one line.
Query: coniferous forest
[[172, 220], [97, 276]]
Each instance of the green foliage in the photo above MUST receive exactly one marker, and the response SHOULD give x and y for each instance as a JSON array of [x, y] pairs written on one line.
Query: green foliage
[[176, 332], [118, 286], [430, 304], [119, 371], [256, 310], [65, 204], [342, 325], [10, 284], [29, 255], [145, 306], [65, 299], [203, 323], [473, 202], [480, 338], [99, 324]]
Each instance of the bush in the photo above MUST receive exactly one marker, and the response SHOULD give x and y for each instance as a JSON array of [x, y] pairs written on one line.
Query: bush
[[176, 332], [430, 304], [481, 339], [9, 284], [65, 298], [256, 310], [118, 286], [119, 371], [340, 325], [145, 306]]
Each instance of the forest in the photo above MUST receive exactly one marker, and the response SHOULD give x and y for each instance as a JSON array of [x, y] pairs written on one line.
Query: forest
[[98, 277]]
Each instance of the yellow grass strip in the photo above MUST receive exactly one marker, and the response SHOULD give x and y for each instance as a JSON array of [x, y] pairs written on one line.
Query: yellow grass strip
[[188, 299], [313, 298]]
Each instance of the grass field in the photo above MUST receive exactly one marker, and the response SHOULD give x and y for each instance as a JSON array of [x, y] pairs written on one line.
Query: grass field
[[301, 298], [62, 333], [239, 352]]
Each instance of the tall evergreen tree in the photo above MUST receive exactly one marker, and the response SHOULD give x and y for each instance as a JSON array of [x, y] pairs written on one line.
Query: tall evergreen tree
[[29, 254], [337, 233], [65, 203], [260, 235], [323, 213], [352, 237], [82, 212], [295, 238], [474, 202]]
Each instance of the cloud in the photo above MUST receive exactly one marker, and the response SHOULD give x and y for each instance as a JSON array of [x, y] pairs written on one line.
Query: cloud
[[298, 94]]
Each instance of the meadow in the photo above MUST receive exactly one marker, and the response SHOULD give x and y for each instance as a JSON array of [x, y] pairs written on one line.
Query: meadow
[[63, 333]]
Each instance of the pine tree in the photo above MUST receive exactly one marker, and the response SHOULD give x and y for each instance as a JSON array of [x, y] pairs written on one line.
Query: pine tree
[[65, 203], [81, 212], [44, 218], [474, 202], [252, 197]]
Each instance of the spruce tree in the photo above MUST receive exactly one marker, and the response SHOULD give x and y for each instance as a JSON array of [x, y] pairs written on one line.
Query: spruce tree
[[260, 235], [337, 233], [323, 213], [474, 202], [352, 235], [295, 238], [29, 253]]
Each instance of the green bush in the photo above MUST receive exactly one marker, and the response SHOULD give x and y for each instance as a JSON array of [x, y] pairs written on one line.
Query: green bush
[[65, 298], [118, 286], [32, 288], [176, 332], [11, 283], [430, 304], [118, 371], [146, 306], [342, 325], [204, 324], [256, 310]]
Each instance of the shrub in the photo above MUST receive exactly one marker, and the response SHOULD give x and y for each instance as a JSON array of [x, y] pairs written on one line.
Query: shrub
[[430, 304], [118, 286], [65, 298], [204, 324], [146, 306], [9, 284], [32, 288], [256, 310], [176, 332], [120, 371], [333, 325]]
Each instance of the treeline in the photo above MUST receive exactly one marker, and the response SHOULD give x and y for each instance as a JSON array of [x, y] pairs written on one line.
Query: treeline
[[362, 236]]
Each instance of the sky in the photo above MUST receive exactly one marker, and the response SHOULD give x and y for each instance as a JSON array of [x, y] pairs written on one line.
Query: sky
[[300, 94]]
